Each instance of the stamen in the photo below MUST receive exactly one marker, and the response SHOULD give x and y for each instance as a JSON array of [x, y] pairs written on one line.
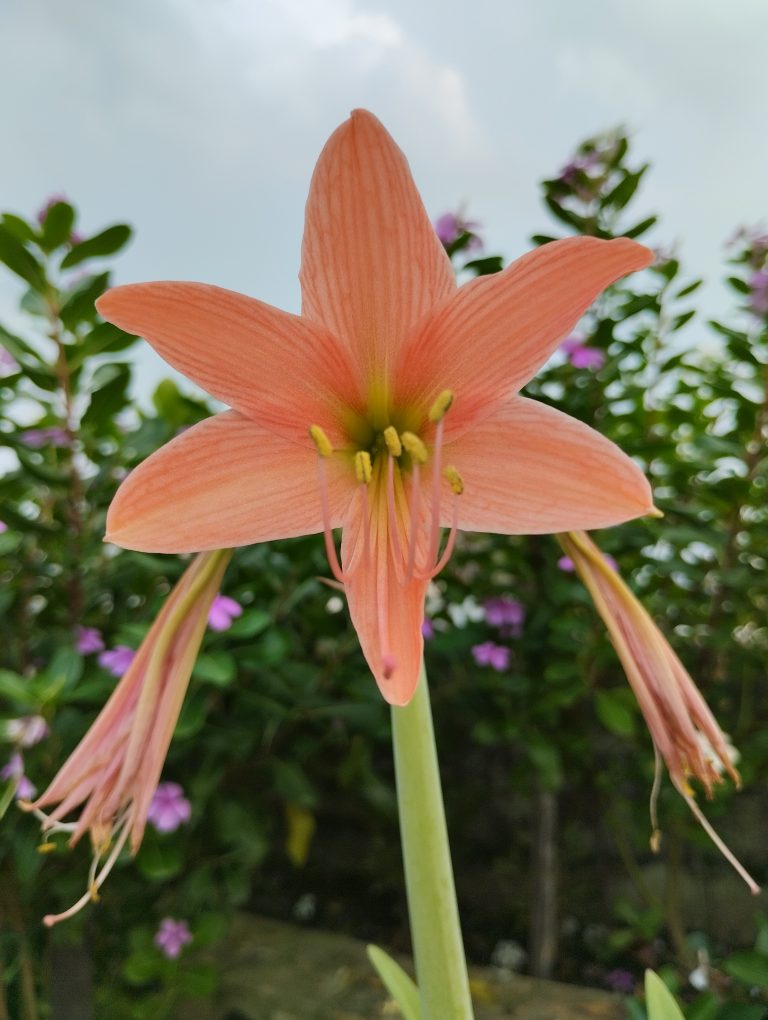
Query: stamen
[[413, 514], [434, 541], [754, 888], [441, 406], [391, 438], [394, 531], [321, 440], [363, 470], [454, 479], [330, 545], [415, 446]]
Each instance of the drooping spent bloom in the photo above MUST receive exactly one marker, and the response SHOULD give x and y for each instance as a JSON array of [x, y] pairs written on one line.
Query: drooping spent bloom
[[88, 641], [169, 808], [113, 773], [683, 730], [390, 407], [117, 660], [172, 936], [490, 654], [14, 770], [27, 730], [223, 611], [506, 614]]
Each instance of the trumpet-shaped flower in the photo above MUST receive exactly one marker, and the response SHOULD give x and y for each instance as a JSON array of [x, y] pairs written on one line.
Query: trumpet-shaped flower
[[112, 775], [683, 730], [390, 407]]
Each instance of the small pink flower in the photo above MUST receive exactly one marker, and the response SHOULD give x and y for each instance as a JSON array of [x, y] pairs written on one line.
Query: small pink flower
[[427, 630], [172, 936], [117, 660], [758, 286], [223, 611], [27, 730], [580, 354], [566, 564], [169, 808], [8, 364], [490, 654], [14, 770], [36, 439], [449, 227], [506, 614], [3, 527], [88, 640]]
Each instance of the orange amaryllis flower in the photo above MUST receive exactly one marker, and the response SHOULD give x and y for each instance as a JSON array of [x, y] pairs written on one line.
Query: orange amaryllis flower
[[683, 730], [390, 407], [113, 773]]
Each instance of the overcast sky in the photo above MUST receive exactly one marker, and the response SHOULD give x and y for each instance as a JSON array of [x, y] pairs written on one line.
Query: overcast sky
[[199, 121]]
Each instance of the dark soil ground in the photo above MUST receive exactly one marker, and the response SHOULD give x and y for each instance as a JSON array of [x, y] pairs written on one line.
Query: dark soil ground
[[276, 971]]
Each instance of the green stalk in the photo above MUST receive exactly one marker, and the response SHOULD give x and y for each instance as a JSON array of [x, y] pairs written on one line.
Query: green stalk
[[441, 969]]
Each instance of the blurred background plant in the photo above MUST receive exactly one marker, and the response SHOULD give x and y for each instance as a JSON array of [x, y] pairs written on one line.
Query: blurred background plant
[[278, 792]]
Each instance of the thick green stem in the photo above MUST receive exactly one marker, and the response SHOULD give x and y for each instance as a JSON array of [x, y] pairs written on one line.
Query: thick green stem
[[441, 969]]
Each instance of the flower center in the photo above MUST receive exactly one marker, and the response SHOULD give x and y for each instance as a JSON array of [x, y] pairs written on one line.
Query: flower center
[[392, 468]]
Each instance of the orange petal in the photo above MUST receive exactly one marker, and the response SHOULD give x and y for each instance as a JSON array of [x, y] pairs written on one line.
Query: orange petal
[[224, 482], [278, 369], [386, 614], [531, 470], [372, 264], [491, 337]]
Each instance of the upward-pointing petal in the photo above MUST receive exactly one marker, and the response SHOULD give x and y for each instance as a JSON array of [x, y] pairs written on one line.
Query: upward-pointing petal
[[487, 340], [372, 264]]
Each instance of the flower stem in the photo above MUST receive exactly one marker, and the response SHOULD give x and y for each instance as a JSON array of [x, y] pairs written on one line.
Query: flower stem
[[441, 969]]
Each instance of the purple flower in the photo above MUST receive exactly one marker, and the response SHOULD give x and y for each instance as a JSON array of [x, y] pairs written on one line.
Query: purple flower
[[169, 808], [14, 770], [758, 287], [117, 660], [427, 630], [51, 436], [172, 936], [8, 364], [490, 654], [27, 730], [580, 354], [3, 527], [88, 640], [450, 227], [222, 612], [587, 357], [620, 980], [505, 613]]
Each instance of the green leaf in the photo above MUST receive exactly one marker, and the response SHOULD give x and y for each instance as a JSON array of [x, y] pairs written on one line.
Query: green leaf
[[614, 711], [399, 985], [107, 242], [641, 227], [19, 227], [660, 1002], [217, 668], [159, 858], [625, 189], [748, 966], [20, 261], [16, 689], [109, 398], [57, 226], [79, 306]]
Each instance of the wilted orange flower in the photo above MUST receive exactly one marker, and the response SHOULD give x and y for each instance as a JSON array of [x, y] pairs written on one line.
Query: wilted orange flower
[[114, 771], [683, 730], [390, 407]]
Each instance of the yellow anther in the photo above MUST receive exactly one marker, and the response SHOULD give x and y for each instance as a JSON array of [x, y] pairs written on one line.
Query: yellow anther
[[454, 479], [363, 466], [392, 440], [414, 446], [47, 847], [441, 405], [321, 441], [94, 891]]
